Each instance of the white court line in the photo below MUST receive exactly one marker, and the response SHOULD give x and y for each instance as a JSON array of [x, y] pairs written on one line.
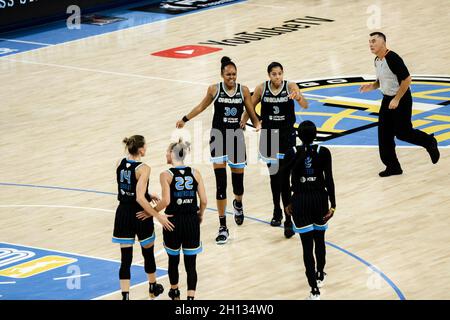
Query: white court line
[[60, 206], [29, 42], [157, 254], [52, 206], [261, 5], [123, 74], [72, 277], [375, 146], [8, 282], [132, 287]]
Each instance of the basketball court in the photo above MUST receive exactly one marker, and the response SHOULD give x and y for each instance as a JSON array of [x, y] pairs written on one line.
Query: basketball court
[[69, 96]]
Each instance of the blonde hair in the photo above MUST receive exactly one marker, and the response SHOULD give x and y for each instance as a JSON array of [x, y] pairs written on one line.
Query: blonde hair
[[180, 149], [133, 143]]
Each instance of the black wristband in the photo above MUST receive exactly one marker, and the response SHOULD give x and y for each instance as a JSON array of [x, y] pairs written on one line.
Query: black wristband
[[185, 119]]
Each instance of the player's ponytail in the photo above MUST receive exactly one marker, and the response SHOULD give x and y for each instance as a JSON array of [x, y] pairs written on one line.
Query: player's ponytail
[[133, 143], [180, 149], [226, 61]]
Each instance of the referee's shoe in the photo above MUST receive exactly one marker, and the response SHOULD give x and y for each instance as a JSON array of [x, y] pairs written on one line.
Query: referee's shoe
[[433, 150]]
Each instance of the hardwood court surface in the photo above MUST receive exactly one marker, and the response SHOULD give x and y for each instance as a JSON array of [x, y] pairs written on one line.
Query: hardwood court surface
[[66, 108]]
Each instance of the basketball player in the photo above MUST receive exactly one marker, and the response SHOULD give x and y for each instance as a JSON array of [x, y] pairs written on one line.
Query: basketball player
[[227, 143], [132, 183], [312, 184], [278, 134], [393, 79], [180, 187]]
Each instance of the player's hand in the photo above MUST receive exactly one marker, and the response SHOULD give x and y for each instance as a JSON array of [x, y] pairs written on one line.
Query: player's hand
[[288, 210], [329, 215], [142, 215], [242, 124], [366, 88], [200, 216], [393, 104], [258, 126], [164, 221], [180, 124], [155, 197]]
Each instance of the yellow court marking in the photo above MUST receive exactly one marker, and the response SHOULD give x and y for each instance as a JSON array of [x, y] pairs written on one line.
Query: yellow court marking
[[439, 117], [436, 128], [328, 114], [442, 137], [336, 85], [428, 94], [420, 122], [37, 266]]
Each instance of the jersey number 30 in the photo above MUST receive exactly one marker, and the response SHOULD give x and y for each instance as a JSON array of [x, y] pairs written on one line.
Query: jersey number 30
[[182, 183]]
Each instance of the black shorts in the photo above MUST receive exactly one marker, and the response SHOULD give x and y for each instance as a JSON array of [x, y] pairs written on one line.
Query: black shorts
[[274, 143], [127, 226], [228, 145], [186, 235], [308, 211]]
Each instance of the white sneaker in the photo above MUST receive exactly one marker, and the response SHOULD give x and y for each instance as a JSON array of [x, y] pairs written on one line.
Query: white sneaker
[[313, 296], [222, 237], [321, 283]]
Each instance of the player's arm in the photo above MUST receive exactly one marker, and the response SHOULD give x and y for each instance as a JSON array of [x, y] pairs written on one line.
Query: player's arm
[[250, 109], [295, 94], [143, 175], [404, 86], [165, 179], [256, 98], [207, 100], [370, 86], [329, 182], [201, 194]]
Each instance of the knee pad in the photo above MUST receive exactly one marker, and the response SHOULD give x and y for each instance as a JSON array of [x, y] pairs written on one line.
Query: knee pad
[[125, 266], [221, 183], [238, 183], [149, 260]]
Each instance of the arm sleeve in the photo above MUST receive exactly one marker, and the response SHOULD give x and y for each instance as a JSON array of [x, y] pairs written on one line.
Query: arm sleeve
[[289, 160], [328, 172], [396, 64]]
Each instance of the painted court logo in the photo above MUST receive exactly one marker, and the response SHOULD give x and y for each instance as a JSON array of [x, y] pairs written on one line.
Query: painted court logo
[[344, 116]]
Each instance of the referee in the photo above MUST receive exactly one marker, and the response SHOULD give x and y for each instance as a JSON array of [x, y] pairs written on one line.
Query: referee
[[393, 79]]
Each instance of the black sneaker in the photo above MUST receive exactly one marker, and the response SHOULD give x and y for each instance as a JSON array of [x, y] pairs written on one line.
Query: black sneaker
[[155, 290], [390, 172], [277, 217], [174, 294], [433, 150], [238, 213], [222, 237], [288, 230]]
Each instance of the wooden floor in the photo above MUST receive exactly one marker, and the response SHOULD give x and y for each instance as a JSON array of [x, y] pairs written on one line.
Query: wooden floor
[[65, 109]]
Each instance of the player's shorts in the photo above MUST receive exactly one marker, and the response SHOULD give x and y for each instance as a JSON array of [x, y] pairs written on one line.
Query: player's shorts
[[127, 226], [309, 208], [274, 143], [185, 235], [228, 145]]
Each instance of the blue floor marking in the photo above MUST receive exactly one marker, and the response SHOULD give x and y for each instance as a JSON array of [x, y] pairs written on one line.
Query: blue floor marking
[[397, 290], [57, 32]]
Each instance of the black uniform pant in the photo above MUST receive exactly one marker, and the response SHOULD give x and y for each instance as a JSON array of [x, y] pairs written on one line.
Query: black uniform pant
[[313, 242], [397, 123]]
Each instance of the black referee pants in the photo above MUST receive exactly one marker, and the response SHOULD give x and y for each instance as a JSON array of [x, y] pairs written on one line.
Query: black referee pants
[[397, 123]]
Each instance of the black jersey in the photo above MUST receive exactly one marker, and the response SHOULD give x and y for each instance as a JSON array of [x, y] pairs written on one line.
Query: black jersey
[[127, 182], [183, 191], [277, 111], [228, 109], [311, 171]]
